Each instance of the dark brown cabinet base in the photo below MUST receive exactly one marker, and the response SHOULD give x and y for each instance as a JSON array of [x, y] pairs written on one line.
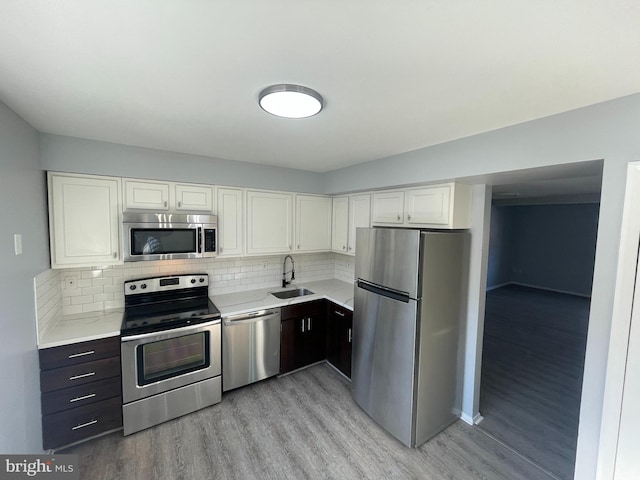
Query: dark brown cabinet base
[[303, 334], [339, 324], [315, 331], [81, 391]]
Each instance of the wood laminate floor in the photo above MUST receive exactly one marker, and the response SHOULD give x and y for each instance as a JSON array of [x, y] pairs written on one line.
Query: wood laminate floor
[[300, 426], [532, 366]]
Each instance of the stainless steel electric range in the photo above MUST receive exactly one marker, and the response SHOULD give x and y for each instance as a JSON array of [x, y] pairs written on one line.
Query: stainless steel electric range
[[171, 350]]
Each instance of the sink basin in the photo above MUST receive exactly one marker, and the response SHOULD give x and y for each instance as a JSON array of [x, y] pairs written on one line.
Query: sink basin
[[292, 293]]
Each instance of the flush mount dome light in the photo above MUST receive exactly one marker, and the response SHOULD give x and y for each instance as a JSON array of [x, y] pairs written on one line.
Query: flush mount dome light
[[290, 101]]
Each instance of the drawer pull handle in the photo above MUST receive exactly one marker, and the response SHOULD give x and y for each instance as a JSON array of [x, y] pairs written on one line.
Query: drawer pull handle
[[340, 314], [76, 355], [77, 427], [77, 399], [84, 375]]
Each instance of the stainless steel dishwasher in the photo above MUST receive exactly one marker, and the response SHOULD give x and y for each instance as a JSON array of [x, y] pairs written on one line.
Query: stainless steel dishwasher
[[250, 347]]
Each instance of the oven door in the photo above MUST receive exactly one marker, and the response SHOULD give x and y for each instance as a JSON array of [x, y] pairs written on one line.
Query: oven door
[[157, 362]]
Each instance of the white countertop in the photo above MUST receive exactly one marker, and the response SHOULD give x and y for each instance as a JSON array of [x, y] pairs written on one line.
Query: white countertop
[[82, 327], [336, 291]]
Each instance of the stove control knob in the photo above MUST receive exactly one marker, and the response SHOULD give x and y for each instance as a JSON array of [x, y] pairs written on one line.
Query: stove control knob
[[143, 286], [201, 280], [193, 280], [132, 287]]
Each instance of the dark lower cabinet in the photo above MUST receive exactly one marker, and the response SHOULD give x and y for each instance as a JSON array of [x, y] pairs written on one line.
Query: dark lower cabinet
[[339, 325], [303, 334], [81, 391]]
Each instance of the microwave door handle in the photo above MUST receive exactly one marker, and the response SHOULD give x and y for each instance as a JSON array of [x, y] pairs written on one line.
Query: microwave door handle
[[200, 240]]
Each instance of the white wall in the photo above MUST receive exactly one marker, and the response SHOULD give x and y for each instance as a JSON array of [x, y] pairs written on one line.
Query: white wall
[[608, 131], [22, 194]]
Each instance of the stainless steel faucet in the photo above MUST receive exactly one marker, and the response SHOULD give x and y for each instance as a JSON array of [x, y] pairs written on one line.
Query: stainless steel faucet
[[284, 271]]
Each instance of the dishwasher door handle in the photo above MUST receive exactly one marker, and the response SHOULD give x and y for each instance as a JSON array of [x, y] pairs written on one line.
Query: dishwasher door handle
[[252, 317]]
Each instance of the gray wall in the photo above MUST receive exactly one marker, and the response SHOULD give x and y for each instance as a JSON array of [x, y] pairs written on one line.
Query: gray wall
[[546, 246], [499, 268], [607, 131], [68, 154], [22, 193]]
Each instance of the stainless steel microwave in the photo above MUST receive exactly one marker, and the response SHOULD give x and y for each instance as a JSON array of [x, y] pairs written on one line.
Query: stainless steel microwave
[[168, 236]]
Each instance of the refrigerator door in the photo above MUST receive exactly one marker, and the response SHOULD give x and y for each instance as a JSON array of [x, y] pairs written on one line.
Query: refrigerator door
[[384, 352], [389, 257]]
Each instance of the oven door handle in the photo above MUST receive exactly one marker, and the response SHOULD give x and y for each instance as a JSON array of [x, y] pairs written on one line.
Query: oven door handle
[[173, 330]]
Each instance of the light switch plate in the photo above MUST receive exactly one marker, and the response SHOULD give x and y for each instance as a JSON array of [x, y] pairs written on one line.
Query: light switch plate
[[17, 243]]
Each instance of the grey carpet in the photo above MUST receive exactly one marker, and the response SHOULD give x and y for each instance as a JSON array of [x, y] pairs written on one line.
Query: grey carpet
[[303, 425], [532, 365]]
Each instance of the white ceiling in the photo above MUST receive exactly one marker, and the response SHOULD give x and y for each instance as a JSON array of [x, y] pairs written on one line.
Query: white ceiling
[[184, 75]]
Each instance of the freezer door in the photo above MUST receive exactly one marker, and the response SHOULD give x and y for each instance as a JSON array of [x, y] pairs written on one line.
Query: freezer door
[[384, 351], [389, 257]]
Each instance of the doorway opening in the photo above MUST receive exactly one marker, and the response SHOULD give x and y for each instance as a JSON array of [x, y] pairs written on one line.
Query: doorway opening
[[540, 271]]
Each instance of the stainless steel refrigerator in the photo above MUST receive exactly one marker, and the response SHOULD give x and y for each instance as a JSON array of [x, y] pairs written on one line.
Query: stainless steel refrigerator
[[409, 299]]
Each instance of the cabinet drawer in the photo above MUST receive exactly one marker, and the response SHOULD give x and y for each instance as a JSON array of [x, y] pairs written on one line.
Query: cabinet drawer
[[76, 424], [339, 311], [75, 353], [315, 307], [79, 396], [81, 374]]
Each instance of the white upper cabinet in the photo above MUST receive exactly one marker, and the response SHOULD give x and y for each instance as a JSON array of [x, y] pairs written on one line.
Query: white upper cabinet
[[194, 198], [313, 223], [428, 205], [84, 220], [269, 222], [340, 224], [435, 206], [230, 221], [167, 196], [349, 213], [388, 207], [359, 216], [146, 195]]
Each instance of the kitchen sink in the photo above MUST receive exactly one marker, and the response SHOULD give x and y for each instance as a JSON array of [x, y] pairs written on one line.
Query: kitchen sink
[[292, 293]]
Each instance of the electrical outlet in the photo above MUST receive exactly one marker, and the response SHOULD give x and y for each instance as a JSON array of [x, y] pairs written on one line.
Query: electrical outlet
[[70, 282]]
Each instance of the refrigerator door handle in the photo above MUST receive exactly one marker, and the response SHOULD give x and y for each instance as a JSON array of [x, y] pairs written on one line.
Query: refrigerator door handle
[[384, 291]]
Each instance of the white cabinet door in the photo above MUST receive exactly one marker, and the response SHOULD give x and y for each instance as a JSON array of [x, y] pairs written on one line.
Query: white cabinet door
[[84, 220], [194, 198], [313, 223], [359, 216], [340, 225], [229, 222], [429, 205], [269, 222], [388, 207], [146, 195]]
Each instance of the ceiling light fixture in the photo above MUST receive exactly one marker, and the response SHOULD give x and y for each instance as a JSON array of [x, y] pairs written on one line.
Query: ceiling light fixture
[[290, 101]]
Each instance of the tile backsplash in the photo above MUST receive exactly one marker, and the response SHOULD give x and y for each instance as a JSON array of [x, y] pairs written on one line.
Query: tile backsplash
[[101, 288], [74, 290], [47, 288]]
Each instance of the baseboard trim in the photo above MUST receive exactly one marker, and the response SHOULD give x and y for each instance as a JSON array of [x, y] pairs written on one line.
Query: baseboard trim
[[475, 420], [566, 292], [500, 285], [538, 287]]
